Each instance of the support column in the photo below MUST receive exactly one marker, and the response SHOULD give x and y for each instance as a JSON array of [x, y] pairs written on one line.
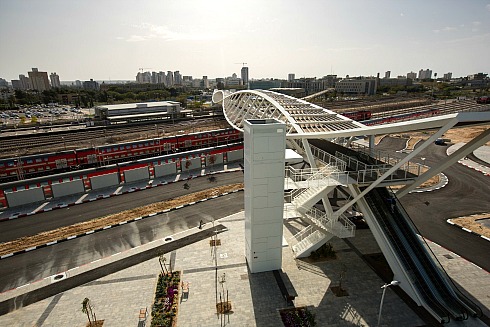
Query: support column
[[265, 141]]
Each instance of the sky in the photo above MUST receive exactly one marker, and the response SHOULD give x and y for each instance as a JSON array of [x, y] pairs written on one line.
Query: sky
[[113, 39]]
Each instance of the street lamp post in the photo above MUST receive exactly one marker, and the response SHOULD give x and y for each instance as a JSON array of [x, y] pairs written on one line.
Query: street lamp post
[[384, 287]]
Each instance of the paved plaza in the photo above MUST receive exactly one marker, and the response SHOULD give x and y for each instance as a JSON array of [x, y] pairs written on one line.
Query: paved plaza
[[256, 298]]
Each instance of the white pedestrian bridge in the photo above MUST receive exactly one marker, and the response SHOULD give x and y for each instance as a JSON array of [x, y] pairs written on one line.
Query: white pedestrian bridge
[[362, 174]]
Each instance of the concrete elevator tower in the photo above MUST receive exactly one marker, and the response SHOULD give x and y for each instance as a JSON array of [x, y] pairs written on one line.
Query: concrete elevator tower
[[265, 141]]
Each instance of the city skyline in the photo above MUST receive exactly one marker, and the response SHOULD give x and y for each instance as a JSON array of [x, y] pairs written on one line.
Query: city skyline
[[79, 40]]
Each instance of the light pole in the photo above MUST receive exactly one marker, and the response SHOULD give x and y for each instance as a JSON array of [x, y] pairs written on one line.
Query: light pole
[[384, 287]]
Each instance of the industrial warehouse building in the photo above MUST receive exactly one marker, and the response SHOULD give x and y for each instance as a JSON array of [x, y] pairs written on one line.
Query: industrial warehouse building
[[136, 111]]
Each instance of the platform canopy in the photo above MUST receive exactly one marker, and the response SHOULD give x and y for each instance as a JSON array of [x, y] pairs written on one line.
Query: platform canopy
[[305, 120], [300, 116]]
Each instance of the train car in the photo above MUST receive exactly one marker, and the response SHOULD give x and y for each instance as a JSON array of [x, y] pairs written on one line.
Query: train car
[[357, 115], [483, 100], [207, 139], [36, 165]]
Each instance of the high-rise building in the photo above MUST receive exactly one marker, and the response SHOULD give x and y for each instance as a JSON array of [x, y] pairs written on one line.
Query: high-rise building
[[425, 74], [39, 80], [177, 78], [78, 83], [143, 78], [25, 84], [291, 77], [205, 82], [412, 75], [90, 85], [448, 76], [55, 80], [161, 77], [244, 74], [170, 78], [388, 74], [16, 84], [4, 84]]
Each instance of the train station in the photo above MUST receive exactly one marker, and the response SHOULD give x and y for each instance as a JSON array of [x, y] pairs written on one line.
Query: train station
[[333, 174]]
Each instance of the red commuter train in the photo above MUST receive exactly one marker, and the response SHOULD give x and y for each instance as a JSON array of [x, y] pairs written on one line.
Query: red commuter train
[[357, 115], [49, 163]]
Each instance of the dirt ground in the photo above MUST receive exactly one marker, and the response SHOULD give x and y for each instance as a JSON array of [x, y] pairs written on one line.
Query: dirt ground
[[456, 135], [471, 223], [77, 229]]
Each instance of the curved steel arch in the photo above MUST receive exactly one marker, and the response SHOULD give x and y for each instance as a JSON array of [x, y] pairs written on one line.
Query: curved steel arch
[[298, 115]]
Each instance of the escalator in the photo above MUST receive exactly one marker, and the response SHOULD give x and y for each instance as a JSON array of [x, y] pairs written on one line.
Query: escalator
[[424, 271]]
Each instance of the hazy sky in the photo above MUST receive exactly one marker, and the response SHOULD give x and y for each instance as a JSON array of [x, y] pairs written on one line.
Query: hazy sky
[[112, 39]]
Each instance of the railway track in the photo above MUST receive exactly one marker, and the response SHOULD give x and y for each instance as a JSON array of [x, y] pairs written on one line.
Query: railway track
[[33, 144]]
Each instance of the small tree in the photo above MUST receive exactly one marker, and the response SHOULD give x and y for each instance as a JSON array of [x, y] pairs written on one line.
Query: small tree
[[161, 259], [88, 309]]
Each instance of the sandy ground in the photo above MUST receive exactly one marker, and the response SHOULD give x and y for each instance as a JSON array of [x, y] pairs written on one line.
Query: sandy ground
[[456, 135], [471, 223], [77, 229]]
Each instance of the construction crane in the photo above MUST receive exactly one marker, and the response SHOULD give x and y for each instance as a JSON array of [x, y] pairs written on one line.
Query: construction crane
[[143, 68], [241, 63]]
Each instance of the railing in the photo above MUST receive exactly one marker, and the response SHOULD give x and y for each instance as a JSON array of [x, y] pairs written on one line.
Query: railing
[[385, 157], [315, 178], [303, 234], [341, 228], [328, 159]]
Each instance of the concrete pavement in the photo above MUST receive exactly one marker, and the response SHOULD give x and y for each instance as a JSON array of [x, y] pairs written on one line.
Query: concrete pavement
[[255, 298]]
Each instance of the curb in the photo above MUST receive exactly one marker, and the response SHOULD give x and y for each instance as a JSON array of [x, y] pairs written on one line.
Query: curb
[[114, 225], [463, 162], [444, 181], [450, 222]]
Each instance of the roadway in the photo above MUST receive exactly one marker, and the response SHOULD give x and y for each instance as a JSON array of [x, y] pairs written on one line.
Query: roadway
[[32, 225], [466, 193], [31, 266]]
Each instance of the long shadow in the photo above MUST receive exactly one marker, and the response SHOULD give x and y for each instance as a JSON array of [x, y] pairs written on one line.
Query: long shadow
[[94, 274], [266, 299]]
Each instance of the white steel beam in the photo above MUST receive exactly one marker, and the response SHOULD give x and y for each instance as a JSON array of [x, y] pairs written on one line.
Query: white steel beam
[[452, 159]]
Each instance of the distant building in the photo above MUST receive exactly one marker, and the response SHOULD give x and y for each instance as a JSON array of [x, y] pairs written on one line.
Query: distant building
[[39, 80], [161, 77], [388, 74], [448, 76], [143, 78], [128, 87], [400, 81], [25, 83], [412, 75], [264, 84], [313, 85], [4, 84], [177, 78], [233, 81], [205, 82], [78, 83], [425, 74], [156, 109], [356, 86], [16, 84], [244, 75], [170, 79], [55, 80], [90, 85], [291, 77]]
